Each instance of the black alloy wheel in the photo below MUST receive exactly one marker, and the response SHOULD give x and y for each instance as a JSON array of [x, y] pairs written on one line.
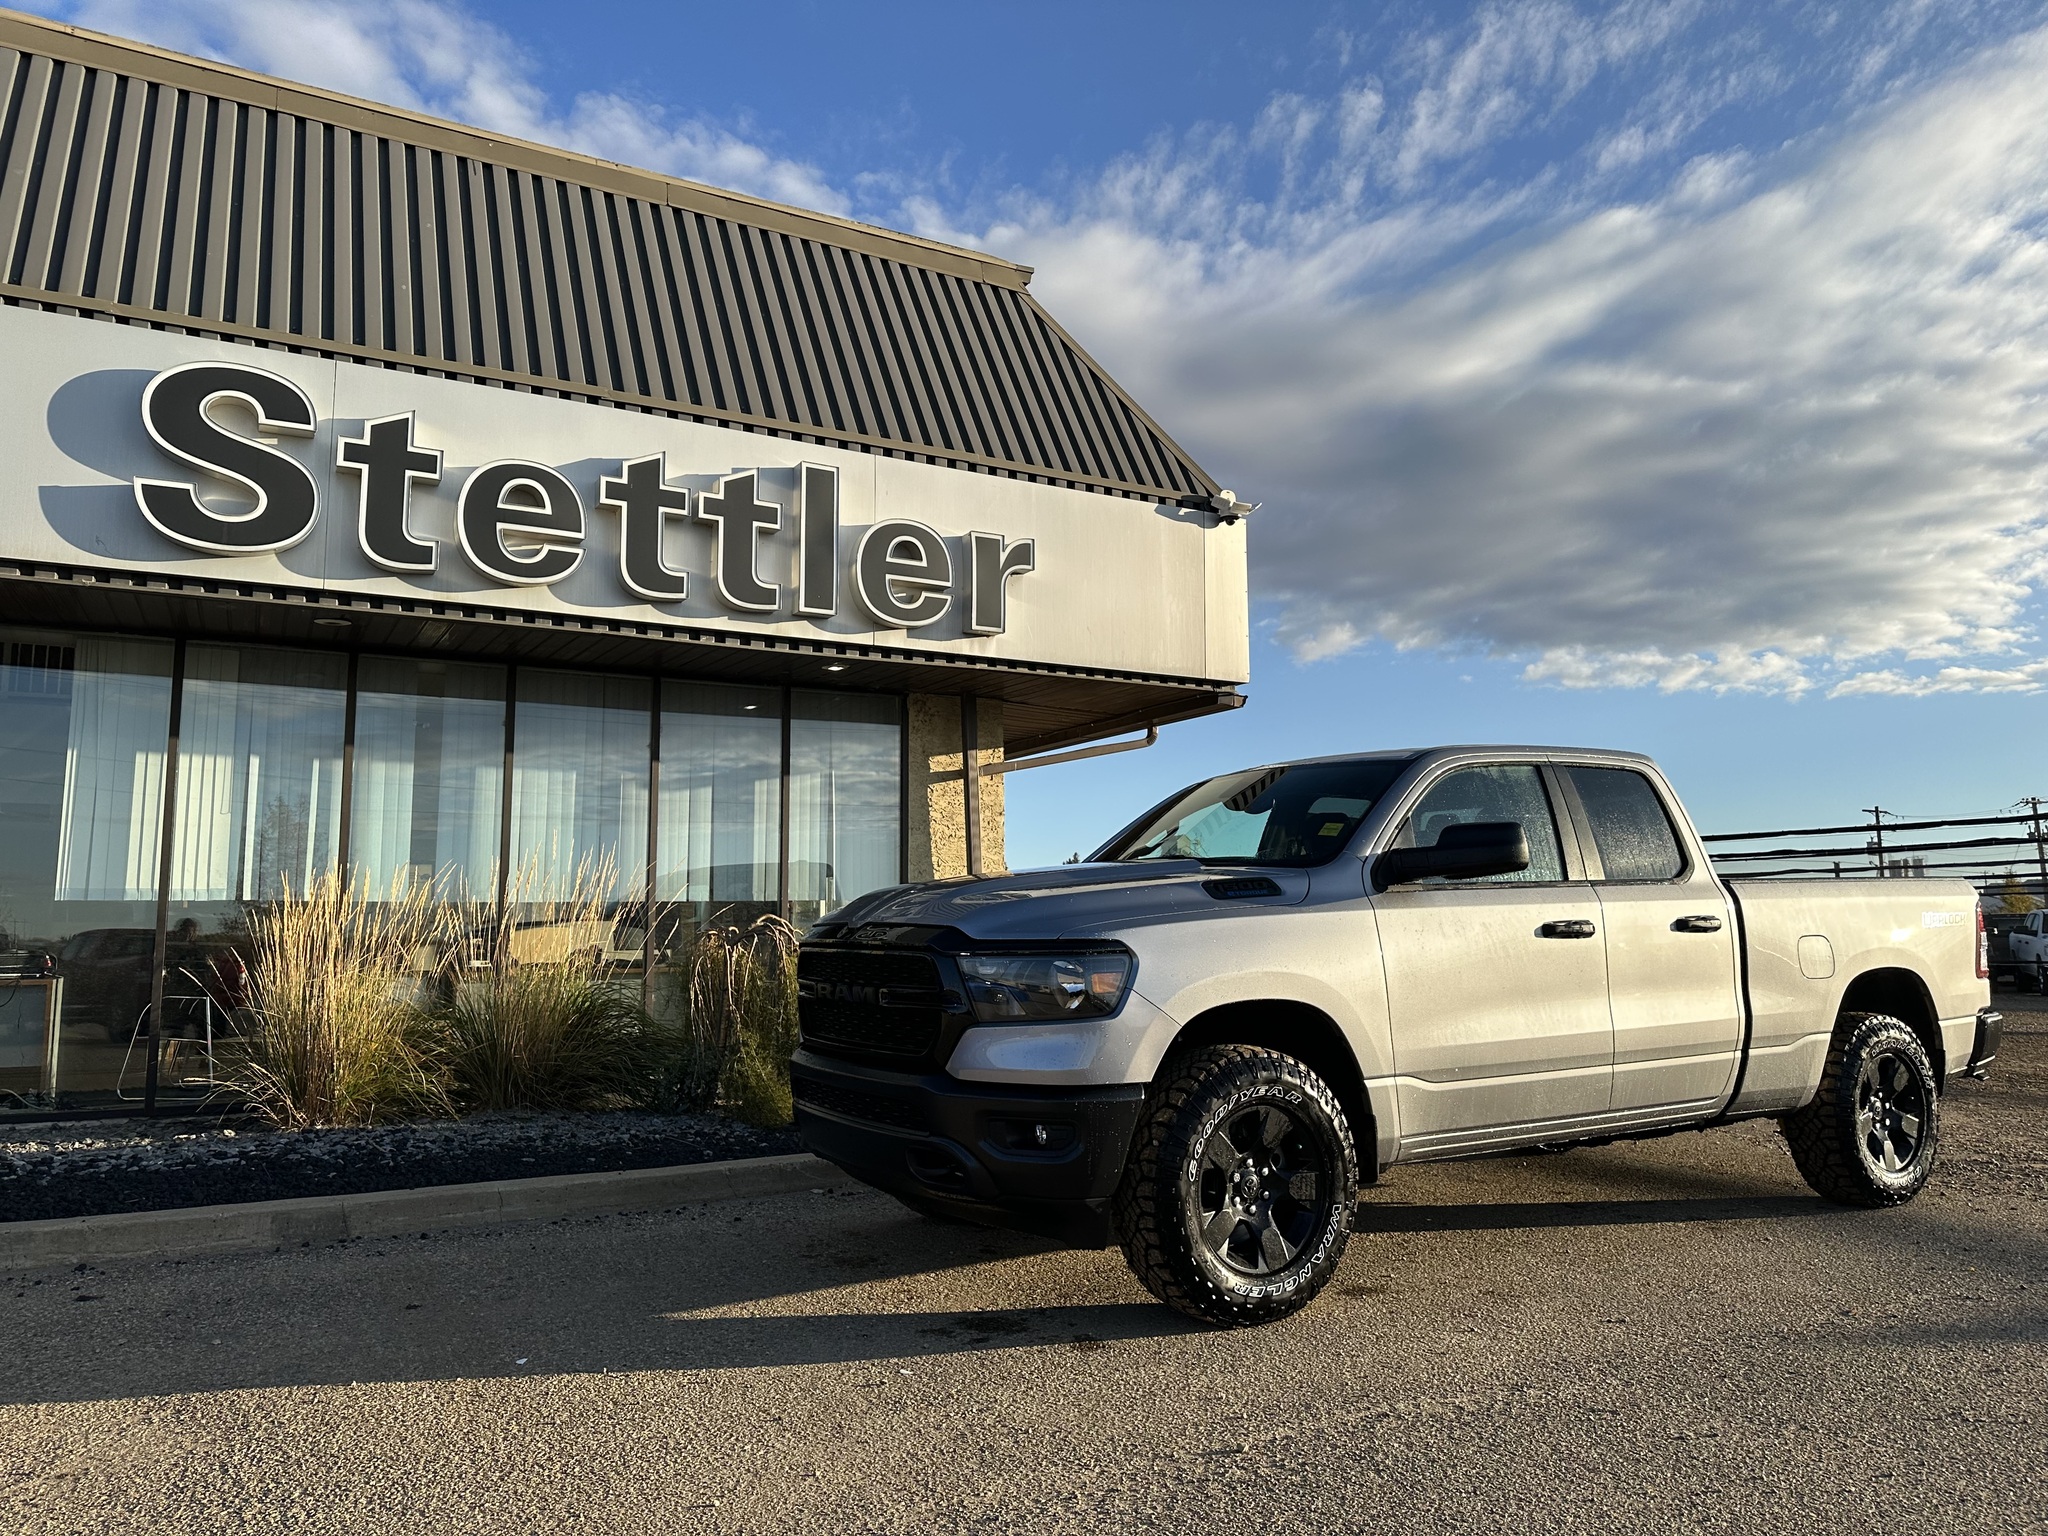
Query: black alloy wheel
[[1263, 1192], [1891, 1110], [1236, 1198], [1869, 1135]]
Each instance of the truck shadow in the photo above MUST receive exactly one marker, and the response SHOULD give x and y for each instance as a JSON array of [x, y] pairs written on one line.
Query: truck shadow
[[839, 1280], [1392, 1216]]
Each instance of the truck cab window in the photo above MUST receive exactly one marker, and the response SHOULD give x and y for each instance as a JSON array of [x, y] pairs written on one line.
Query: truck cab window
[[1500, 792], [1629, 825]]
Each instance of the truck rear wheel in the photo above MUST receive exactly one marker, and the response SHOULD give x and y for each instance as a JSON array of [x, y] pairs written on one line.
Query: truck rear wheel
[[1236, 1200], [1868, 1138]]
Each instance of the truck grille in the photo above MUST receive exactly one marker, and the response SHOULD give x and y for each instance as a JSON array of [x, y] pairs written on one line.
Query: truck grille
[[857, 1104], [870, 1001]]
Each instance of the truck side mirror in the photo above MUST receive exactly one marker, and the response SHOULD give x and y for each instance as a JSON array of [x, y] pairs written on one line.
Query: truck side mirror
[[1467, 851]]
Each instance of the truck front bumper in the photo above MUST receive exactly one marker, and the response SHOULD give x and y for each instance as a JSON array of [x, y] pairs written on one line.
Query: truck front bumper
[[1039, 1160], [1990, 1031]]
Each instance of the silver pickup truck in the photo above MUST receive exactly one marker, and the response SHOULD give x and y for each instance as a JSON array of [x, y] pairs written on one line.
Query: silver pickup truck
[[1276, 985]]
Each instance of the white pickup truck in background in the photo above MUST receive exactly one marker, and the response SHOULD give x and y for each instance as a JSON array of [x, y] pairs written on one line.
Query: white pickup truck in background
[[1278, 984], [2026, 952]]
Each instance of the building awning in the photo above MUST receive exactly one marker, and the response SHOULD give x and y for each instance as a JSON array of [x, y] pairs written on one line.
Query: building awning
[[1044, 707]]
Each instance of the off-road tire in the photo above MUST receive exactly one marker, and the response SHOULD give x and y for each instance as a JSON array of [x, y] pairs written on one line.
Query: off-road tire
[[1839, 1140], [1173, 1167]]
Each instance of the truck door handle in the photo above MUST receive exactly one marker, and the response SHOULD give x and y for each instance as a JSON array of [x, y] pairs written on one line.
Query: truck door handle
[[1699, 924], [1568, 928]]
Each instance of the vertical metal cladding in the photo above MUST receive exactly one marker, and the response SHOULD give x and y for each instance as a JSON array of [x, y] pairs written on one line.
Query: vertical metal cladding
[[125, 191]]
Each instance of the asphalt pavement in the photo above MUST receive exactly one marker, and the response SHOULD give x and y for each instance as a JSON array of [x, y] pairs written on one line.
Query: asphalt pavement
[[1670, 1335]]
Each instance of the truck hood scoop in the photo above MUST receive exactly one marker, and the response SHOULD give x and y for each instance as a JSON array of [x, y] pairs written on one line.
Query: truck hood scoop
[[1045, 903], [909, 903]]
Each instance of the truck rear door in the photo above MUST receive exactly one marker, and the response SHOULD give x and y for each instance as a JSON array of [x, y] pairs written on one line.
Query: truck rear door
[[1672, 975]]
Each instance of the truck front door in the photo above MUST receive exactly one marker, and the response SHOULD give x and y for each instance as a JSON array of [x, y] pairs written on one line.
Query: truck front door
[[1497, 988], [1671, 966]]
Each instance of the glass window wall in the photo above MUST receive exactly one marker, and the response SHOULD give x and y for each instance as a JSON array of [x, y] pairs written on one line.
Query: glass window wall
[[428, 778], [845, 799], [257, 815], [85, 725], [718, 846], [579, 817]]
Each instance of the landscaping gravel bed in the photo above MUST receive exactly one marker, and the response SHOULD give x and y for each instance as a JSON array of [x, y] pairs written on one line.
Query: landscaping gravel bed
[[95, 1168]]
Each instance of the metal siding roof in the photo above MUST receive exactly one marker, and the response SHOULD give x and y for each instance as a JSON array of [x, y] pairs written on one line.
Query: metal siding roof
[[132, 193]]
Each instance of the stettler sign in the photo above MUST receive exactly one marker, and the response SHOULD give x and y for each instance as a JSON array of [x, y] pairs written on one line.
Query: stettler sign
[[143, 451]]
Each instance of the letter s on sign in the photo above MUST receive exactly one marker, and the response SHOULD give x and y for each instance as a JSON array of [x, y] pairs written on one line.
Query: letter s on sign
[[175, 410]]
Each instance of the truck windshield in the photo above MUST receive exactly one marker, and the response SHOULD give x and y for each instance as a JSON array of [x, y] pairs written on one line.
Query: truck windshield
[[1300, 815]]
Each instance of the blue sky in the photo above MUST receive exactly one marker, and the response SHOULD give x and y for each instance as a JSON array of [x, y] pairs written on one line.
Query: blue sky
[[1651, 374]]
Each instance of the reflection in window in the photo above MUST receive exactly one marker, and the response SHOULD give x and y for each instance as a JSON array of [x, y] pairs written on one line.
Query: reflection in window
[[258, 814], [721, 794], [1628, 823], [429, 767], [845, 819], [1501, 792], [1299, 814], [83, 725], [259, 773], [579, 784]]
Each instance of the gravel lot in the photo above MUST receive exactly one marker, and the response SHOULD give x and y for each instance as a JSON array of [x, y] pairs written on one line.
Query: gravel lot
[[1665, 1336], [95, 1167]]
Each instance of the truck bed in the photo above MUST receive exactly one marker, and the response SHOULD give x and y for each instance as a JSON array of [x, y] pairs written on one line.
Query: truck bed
[[1802, 941]]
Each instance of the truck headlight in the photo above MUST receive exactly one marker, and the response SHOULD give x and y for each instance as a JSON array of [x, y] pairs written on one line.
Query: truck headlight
[[1007, 989]]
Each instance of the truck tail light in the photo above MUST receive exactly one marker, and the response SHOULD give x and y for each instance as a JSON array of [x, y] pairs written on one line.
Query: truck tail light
[[1983, 948]]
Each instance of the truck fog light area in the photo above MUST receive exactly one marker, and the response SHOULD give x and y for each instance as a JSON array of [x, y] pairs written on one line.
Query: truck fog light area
[[1051, 1136], [1023, 987]]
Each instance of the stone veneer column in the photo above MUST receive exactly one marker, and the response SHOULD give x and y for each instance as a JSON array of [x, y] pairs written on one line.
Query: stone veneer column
[[938, 798]]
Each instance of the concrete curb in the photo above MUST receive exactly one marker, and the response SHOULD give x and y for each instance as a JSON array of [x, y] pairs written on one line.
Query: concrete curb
[[393, 1212]]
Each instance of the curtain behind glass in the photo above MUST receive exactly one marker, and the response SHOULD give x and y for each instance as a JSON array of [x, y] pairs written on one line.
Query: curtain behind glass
[[429, 767], [721, 793], [845, 779], [84, 721], [111, 823], [579, 783], [259, 773]]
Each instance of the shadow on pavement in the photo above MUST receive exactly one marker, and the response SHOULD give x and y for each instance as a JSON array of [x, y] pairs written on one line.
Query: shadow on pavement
[[837, 1282], [1391, 1216], [842, 1338]]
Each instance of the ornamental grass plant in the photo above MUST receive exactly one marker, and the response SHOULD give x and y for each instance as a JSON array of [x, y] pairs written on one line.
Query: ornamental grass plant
[[413, 1006], [547, 1022], [742, 1020], [334, 1034]]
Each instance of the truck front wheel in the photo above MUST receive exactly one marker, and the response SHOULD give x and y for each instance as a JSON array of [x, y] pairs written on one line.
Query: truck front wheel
[[1236, 1200], [1868, 1137]]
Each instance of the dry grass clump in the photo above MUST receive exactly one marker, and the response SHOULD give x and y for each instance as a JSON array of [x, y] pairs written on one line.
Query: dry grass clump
[[742, 1019], [411, 1006], [334, 1035], [547, 1023]]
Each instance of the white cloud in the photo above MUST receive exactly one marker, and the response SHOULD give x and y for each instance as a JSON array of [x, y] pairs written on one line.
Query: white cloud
[[1766, 430], [1519, 62], [2030, 677], [440, 58]]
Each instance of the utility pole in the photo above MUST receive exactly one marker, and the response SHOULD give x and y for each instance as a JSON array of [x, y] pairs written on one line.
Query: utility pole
[[1876, 815], [2033, 804]]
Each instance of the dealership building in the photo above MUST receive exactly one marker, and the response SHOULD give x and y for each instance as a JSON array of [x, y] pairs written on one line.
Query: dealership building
[[380, 495]]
